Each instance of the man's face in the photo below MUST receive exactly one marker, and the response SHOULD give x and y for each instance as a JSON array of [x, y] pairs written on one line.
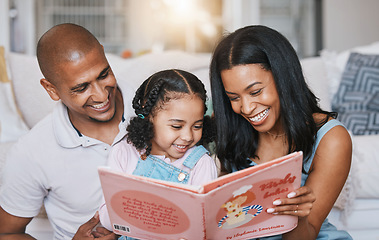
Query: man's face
[[87, 86]]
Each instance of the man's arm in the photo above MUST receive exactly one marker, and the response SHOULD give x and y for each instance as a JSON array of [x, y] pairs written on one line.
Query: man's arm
[[13, 227]]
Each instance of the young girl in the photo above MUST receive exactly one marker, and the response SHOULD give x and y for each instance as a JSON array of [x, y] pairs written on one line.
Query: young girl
[[166, 134], [259, 92]]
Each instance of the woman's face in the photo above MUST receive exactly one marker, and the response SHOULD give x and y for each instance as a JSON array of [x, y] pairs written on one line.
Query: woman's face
[[252, 93]]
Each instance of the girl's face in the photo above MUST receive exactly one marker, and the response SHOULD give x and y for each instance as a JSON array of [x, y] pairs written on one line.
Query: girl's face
[[178, 126], [252, 93]]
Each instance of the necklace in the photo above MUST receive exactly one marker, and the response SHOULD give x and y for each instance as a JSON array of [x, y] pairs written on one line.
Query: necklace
[[276, 135]]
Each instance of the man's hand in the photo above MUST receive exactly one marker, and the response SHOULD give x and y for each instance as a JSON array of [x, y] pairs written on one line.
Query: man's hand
[[101, 232], [85, 231]]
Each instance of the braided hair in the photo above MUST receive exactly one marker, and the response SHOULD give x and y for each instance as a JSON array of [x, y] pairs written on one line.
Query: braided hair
[[151, 96]]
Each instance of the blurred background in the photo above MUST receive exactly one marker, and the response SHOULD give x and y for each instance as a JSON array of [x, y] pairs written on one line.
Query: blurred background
[[133, 27]]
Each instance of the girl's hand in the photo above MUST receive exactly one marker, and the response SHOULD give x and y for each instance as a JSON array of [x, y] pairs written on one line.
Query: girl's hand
[[298, 203]]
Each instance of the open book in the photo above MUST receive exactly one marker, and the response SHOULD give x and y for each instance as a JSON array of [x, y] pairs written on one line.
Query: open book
[[230, 207]]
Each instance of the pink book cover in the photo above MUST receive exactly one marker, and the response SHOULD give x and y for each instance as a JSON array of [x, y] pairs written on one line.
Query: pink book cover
[[230, 207]]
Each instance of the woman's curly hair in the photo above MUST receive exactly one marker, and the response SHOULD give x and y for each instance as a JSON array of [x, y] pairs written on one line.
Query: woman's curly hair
[[150, 97]]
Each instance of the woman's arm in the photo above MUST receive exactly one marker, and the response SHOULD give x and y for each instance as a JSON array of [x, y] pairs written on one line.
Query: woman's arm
[[327, 175]]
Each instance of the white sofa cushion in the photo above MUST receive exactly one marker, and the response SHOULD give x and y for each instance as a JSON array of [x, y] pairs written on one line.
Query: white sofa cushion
[[365, 158], [11, 124], [138, 69], [316, 77], [31, 97], [363, 214]]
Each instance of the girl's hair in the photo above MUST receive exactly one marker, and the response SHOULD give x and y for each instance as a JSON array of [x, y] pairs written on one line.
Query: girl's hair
[[151, 96], [236, 139]]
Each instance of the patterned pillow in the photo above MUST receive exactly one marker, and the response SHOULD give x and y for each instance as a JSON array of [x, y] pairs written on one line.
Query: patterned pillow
[[357, 98]]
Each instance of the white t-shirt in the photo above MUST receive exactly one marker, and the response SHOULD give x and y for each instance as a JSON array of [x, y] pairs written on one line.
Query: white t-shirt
[[124, 158], [53, 165]]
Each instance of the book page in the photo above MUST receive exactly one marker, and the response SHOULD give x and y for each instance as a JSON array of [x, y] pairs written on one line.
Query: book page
[[149, 210], [236, 175], [237, 209]]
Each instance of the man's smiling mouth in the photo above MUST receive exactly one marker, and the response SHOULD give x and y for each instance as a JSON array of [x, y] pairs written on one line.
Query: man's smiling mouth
[[98, 106]]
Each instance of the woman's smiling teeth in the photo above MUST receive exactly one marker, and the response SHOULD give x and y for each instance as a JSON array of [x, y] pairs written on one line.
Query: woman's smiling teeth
[[98, 106], [260, 116]]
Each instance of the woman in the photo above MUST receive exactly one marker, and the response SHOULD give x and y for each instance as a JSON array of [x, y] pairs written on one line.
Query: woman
[[259, 92]]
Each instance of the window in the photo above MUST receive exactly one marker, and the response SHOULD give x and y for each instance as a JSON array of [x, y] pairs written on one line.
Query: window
[[106, 19]]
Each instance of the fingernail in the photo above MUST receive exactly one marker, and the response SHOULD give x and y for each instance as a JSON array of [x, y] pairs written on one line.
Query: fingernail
[[291, 194], [270, 210], [96, 214], [277, 202]]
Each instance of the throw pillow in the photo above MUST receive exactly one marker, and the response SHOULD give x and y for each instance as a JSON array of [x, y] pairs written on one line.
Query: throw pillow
[[31, 97], [11, 124], [357, 97], [316, 76], [335, 63]]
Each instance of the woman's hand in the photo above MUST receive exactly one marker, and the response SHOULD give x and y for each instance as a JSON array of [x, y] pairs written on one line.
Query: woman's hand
[[298, 203]]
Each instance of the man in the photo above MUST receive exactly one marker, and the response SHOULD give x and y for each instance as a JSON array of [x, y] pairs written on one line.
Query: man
[[55, 164]]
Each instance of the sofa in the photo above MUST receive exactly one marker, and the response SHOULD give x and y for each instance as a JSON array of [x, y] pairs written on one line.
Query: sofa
[[23, 102]]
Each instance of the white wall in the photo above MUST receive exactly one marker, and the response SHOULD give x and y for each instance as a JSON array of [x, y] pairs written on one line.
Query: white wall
[[24, 27], [141, 33], [4, 24], [350, 23], [240, 13], [346, 23]]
